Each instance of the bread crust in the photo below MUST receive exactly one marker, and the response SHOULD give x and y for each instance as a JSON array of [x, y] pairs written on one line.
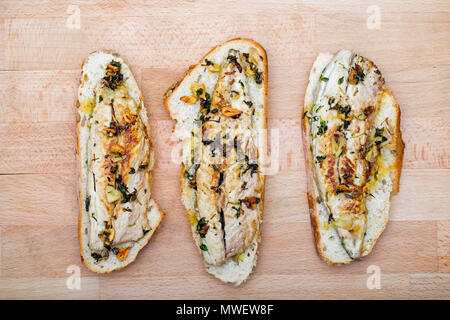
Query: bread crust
[[136, 249], [168, 94], [397, 146]]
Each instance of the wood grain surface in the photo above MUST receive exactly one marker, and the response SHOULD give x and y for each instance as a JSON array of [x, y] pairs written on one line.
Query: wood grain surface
[[40, 59]]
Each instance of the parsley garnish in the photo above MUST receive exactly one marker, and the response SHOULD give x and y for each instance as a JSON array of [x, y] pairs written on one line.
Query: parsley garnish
[[319, 159], [322, 128], [322, 78]]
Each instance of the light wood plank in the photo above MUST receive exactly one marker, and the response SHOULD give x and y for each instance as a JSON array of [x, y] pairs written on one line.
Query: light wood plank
[[430, 286], [301, 286], [40, 62], [51, 288], [38, 96], [30, 248], [37, 148], [40, 252], [284, 28], [43, 200], [443, 249], [421, 13]]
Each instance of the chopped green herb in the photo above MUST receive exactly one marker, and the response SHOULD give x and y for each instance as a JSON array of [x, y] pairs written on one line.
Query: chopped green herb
[[143, 166], [346, 124], [322, 128], [378, 142], [238, 211], [113, 77], [379, 137], [379, 132], [87, 203], [207, 142], [253, 167], [202, 227], [358, 135], [345, 110], [96, 256], [127, 196], [319, 159], [258, 77]]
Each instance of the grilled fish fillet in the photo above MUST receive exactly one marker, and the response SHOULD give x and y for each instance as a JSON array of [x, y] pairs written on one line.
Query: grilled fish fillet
[[117, 215], [351, 130], [220, 109]]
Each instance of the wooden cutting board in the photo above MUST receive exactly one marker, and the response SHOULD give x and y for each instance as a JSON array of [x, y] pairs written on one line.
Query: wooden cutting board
[[41, 50]]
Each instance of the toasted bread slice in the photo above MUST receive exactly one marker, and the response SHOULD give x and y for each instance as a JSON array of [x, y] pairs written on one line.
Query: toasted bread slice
[[353, 149], [224, 97], [117, 216]]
